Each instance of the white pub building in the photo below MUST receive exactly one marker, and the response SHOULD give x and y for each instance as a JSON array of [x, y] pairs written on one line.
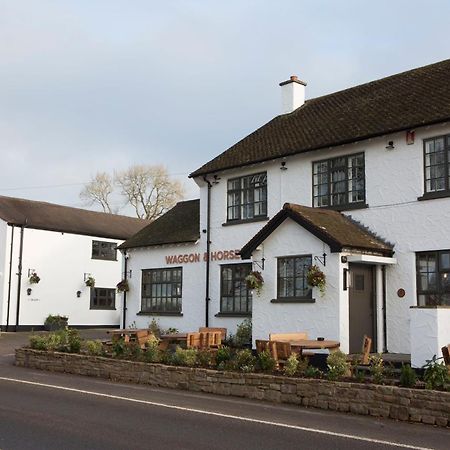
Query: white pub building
[[356, 183]]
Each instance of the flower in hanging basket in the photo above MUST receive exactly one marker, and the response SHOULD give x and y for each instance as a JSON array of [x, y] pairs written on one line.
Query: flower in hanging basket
[[316, 278], [122, 286], [255, 281], [34, 278], [90, 281]]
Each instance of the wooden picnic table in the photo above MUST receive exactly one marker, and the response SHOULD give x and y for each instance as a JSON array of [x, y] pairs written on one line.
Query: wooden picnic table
[[311, 344], [167, 339], [130, 335]]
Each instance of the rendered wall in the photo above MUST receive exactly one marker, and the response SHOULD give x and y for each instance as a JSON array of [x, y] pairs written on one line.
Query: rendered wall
[[60, 260]]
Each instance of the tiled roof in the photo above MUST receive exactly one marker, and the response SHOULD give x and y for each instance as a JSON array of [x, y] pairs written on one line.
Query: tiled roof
[[400, 102], [181, 224], [332, 227], [48, 216]]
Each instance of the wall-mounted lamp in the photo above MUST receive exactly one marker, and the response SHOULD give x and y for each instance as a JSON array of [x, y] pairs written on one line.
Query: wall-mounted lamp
[[390, 145], [30, 272], [347, 279], [216, 179], [127, 274], [29, 291], [283, 165], [78, 294]]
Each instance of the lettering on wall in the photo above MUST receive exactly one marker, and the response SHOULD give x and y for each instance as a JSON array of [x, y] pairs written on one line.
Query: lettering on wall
[[219, 255]]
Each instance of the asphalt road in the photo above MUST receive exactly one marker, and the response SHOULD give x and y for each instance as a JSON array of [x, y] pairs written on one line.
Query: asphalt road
[[41, 410]]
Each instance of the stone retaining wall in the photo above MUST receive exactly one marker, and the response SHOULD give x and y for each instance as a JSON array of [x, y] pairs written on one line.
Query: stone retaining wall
[[430, 407]]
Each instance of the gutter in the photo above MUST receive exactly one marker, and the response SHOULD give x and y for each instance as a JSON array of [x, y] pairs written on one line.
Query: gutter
[[208, 251]]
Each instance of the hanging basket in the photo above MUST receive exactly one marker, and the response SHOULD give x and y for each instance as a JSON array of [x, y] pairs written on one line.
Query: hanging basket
[[34, 278], [316, 278], [122, 286], [90, 281], [255, 281]]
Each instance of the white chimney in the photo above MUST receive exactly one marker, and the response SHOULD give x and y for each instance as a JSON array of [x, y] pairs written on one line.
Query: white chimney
[[292, 94]]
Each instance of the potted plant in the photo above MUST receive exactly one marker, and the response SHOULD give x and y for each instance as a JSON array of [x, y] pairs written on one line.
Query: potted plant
[[122, 286], [255, 281], [316, 278], [56, 322], [90, 281], [34, 278]]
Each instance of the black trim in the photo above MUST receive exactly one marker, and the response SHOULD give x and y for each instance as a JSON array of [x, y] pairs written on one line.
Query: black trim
[[239, 221], [94, 307], [78, 327], [294, 300], [156, 313], [434, 195], [348, 207], [233, 314]]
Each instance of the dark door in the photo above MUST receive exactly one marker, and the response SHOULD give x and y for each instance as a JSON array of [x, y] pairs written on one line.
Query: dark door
[[361, 306]]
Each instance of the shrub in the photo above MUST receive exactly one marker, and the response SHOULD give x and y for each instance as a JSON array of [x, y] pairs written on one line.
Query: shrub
[[152, 353], [265, 361], [205, 358], [94, 348], [408, 376], [223, 355], [244, 361], [132, 350], [291, 366], [67, 340], [118, 348], [55, 322], [184, 357], [38, 342], [154, 327], [243, 335], [376, 367], [436, 374], [312, 372], [303, 364], [338, 366]]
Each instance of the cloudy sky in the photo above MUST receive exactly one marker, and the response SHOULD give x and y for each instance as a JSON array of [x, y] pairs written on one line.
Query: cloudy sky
[[98, 85]]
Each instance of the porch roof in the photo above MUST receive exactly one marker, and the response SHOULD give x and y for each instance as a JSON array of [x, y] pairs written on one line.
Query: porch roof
[[331, 227]]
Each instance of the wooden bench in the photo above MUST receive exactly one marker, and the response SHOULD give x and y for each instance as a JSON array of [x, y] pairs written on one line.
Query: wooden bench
[[223, 331], [288, 337], [280, 351], [204, 340]]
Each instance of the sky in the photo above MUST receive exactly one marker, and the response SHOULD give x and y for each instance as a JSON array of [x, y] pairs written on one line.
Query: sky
[[100, 85]]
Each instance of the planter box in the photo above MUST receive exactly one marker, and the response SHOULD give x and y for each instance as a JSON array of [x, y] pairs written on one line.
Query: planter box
[[430, 407]]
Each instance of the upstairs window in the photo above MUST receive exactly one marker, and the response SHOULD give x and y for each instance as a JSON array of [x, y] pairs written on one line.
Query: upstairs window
[[104, 250], [339, 182], [437, 165], [433, 278], [247, 197], [162, 290]]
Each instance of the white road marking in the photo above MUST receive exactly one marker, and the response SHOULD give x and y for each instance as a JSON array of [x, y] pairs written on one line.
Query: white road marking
[[216, 414]]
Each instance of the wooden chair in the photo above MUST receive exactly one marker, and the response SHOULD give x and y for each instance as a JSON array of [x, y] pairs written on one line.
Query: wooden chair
[[193, 340], [280, 351], [223, 331], [446, 355], [366, 347], [288, 337], [261, 345], [210, 339]]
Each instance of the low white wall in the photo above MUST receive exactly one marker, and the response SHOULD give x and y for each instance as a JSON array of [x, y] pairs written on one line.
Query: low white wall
[[430, 331]]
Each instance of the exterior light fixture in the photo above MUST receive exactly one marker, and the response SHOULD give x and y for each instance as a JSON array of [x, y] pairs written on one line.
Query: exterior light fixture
[[29, 291], [78, 294], [283, 165], [216, 179], [390, 145]]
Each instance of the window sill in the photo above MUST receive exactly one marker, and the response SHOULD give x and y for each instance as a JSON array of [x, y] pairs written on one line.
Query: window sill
[[238, 222], [293, 300], [159, 313], [102, 309], [349, 207], [431, 307], [434, 195], [223, 314]]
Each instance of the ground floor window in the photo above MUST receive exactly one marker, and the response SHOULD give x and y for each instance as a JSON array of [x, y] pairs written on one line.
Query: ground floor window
[[103, 298], [433, 278], [161, 290], [235, 297], [292, 277]]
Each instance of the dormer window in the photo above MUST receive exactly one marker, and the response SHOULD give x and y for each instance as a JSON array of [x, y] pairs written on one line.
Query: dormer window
[[247, 197], [339, 182]]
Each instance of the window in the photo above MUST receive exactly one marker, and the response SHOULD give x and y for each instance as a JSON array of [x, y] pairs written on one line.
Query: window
[[247, 197], [433, 278], [103, 298], [291, 279], [339, 181], [235, 298], [161, 290], [437, 164], [104, 250]]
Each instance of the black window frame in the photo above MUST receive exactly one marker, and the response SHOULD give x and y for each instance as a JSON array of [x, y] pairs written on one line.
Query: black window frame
[[158, 304], [105, 257], [436, 193], [94, 298], [242, 191], [294, 297], [361, 203], [248, 298], [439, 290]]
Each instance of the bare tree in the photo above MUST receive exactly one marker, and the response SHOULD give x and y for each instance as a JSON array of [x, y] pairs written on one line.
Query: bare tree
[[98, 190], [148, 189]]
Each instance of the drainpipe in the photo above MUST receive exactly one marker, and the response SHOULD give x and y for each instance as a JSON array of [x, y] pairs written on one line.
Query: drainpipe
[[125, 266], [19, 277], [10, 277], [208, 248], [383, 270]]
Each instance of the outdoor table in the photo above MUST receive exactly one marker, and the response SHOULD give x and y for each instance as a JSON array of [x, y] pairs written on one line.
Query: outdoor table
[[130, 335], [311, 344], [166, 339]]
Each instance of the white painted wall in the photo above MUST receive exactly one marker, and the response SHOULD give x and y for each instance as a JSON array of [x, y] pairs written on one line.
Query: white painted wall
[[430, 331], [60, 260]]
